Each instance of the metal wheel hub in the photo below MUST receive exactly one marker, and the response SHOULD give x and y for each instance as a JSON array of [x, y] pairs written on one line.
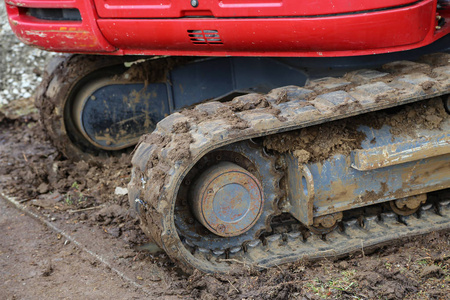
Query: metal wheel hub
[[257, 198], [227, 200]]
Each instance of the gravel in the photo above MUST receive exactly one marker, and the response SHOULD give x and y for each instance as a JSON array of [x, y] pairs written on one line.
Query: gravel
[[21, 66]]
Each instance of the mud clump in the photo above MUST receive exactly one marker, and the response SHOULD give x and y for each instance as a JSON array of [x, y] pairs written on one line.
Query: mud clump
[[181, 127], [320, 142], [258, 102], [231, 118], [422, 115], [282, 98], [303, 156], [181, 150], [432, 271], [245, 284], [249, 102], [195, 115], [427, 85]]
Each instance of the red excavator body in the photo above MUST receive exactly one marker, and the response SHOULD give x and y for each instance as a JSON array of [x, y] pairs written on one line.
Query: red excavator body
[[229, 27]]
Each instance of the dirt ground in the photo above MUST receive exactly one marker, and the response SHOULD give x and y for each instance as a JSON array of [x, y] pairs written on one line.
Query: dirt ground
[[92, 246], [38, 264]]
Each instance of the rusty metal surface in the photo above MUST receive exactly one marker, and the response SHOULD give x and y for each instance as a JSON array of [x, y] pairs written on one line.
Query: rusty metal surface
[[328, 221], [398, 153], [255, 162], [158, 192], [338, 187], [409, 205], [228, 200], [405, 167], [301, 191]]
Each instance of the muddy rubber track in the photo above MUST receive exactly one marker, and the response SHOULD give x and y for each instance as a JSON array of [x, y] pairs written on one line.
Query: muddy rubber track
[[60, 78], [164, 157]]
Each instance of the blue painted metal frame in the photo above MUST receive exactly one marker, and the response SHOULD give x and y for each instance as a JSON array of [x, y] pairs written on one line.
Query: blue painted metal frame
[[335, 184], [118, 114]]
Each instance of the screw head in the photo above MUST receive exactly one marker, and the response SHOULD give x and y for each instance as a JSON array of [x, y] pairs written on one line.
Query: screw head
[[221, 228], [194, 3]]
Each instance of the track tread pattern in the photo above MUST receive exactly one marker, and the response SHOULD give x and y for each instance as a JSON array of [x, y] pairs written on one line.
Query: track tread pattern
[[163, 158]]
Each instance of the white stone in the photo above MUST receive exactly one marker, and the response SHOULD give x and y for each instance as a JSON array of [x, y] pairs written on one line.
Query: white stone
[[121, 191]]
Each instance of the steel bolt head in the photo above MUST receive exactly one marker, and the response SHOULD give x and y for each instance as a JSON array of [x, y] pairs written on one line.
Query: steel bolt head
[[221, 228], [194, 3], [328, 221]]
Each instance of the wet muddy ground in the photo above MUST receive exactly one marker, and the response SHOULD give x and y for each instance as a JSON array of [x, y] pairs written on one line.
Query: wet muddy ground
[[96, 249]]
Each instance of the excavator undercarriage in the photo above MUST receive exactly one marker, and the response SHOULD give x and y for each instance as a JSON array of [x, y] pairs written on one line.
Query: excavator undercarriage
[[266, 131], [301, 172], [257, 175]]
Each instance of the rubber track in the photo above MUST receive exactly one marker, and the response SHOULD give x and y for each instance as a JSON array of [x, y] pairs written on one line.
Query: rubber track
[[61, 76], [158, 169]]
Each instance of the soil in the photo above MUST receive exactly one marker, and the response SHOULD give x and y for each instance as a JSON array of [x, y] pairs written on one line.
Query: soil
[[320, 142], [37, 263], [88, 200]]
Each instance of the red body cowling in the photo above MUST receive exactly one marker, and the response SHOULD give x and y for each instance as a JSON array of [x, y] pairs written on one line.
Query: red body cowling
[[232, 27]]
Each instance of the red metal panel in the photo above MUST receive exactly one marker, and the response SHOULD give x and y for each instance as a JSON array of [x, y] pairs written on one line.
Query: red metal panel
[[236, 8], [366, 33], [63, 36], [352, 34]]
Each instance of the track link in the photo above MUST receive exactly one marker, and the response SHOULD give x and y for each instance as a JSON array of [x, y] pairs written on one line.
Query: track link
[[354, 235], [163, 158]]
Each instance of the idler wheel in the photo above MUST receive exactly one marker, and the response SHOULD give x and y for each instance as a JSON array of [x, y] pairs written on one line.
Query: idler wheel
[[409, 205], [326, 224], [227, 199]]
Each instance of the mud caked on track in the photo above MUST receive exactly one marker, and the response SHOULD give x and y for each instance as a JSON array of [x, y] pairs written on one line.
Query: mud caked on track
[[317, 121], [84, 195], [81, 195]]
